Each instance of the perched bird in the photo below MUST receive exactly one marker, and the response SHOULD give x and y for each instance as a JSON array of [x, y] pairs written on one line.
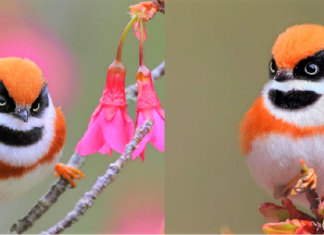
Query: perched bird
[[286, 122], [32, 130]]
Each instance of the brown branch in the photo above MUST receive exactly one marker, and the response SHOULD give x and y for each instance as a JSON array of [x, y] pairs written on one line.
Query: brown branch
[[76, 161], [162, 6], [47, 200], [314, 201], [102, 182]]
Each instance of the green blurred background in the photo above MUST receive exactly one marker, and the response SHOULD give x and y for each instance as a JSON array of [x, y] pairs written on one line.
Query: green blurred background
[[217, 56], [88, 33]]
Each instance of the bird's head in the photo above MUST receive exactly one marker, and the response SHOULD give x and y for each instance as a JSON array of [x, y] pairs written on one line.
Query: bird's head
[[297, 68], [23, 90], [298, 53]]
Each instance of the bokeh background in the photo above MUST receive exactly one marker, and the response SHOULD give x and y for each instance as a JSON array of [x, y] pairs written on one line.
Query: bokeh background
[[74, 42], [217, 57]]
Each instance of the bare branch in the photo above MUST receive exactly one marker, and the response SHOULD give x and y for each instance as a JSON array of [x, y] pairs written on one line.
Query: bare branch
[[314, 201], [47, 200], [76, 161], [162, 6], [102, 182]]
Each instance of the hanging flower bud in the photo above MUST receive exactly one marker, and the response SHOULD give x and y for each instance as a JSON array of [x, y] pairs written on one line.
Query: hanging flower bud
[[110, 127], [148, 108]]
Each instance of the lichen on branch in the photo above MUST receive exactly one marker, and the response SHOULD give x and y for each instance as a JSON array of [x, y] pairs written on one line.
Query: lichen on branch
[[102, 182], [77, 161]]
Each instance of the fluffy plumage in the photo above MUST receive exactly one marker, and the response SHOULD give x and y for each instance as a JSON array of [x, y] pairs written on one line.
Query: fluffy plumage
[[31, 149], [22, 78], [297, 43], [279, 131], [264, 119]]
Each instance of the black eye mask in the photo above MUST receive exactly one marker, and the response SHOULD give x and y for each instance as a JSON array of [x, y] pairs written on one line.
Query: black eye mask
[[304, 69], [43, 102], [10, 105]]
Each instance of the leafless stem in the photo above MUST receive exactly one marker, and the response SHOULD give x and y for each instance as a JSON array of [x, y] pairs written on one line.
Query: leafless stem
[[314, 201], [162, 6], [47, 200], [102, 182], [76, 161]]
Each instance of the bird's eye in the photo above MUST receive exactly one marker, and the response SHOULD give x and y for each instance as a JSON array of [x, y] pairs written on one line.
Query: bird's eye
[[311, 69], [37, 107], [3, 101], [272, 67]]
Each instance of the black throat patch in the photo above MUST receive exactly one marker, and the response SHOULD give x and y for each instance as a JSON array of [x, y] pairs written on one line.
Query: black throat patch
[[19, 138], [293, 99]]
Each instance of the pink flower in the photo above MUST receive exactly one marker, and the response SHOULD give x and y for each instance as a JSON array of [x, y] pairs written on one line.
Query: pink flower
[[162, 231], [110, 127], [148, 108]]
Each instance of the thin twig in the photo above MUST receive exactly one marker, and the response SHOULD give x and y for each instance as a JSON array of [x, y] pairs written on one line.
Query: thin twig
[[313, 199], [102, 182], [76, 161], [131, 91], [47, 200]]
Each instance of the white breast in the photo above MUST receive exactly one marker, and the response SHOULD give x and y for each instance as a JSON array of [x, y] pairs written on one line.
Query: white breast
[[274, 161]]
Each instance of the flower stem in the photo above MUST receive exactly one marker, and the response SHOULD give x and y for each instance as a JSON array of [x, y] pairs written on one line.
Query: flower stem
[[122, 39], [141, 53]]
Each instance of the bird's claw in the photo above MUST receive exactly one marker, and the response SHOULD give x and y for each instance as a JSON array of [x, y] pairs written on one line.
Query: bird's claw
[[305, 183], [69, 173]]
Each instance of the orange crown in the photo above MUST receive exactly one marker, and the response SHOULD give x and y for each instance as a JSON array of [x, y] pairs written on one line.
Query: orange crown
[[296, 43], [22, 78]]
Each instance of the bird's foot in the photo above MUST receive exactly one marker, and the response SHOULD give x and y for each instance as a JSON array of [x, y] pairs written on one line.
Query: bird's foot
[[283, 191], [306, 182], [69, 173]]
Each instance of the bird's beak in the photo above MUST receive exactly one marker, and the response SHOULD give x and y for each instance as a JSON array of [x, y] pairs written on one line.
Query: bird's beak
[[21, 113], [283, 75]]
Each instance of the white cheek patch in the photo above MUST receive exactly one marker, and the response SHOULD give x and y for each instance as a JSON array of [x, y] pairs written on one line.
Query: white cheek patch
[[312, 115], [25, 156], [14, 123], [301, 85]]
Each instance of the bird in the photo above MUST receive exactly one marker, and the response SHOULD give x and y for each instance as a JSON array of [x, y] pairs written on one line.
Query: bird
[[285, 122], [32, 130]]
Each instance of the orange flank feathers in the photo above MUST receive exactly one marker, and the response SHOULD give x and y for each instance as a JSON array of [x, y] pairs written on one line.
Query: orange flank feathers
[[268, 124], [297, 43], [22, 78], [9, 171]]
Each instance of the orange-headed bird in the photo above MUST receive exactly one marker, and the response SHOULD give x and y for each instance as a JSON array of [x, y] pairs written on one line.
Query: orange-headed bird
[[32, 130], [286, 122]]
